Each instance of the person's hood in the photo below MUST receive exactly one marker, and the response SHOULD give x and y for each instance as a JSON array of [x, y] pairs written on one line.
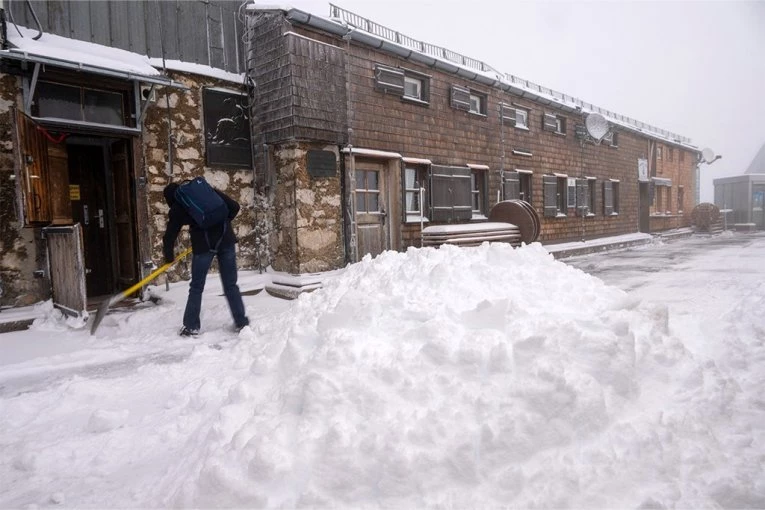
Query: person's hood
[[169, 193]]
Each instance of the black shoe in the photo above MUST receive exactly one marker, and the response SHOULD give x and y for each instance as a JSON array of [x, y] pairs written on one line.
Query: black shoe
[[188, 331], [240, 328]]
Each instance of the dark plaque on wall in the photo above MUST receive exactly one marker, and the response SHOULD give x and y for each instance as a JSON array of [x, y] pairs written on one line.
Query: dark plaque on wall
[[322, 163], [227, 129]]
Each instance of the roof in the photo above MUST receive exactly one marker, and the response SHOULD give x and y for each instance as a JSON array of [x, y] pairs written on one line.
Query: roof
[[757, 166], [348, 24]]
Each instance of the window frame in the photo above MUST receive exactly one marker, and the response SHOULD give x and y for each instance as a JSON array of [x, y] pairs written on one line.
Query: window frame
[[421, 172], [555, 206], [409, 80], [524, 113], [592, 188], [478, 192], [482, 100], [680, 199]]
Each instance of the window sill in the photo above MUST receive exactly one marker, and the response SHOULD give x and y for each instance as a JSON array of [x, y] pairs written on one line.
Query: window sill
[[477, 114], [522, 128], [478, 217], [614, 214], [414, 100], [559, 215], [558, 133], [589, 215], [415, 219]]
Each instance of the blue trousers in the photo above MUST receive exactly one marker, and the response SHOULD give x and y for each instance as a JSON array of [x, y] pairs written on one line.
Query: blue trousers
[[200, 265]]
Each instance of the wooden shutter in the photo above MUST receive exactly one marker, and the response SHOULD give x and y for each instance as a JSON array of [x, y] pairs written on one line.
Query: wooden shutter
[[549, 122], [58, 184], [460, 98], [651, 192], [550, 189], [33, 165], [511, 188], [450, 197], [608, 198], [507, 114], [582, 199], [389, 79], [462, 194]]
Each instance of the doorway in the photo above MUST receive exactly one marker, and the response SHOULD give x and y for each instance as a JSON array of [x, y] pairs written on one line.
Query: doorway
[[644, 202], [101, 195], [371, 191]]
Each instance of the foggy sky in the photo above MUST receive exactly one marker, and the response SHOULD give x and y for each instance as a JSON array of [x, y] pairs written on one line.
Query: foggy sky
[[695, 68]]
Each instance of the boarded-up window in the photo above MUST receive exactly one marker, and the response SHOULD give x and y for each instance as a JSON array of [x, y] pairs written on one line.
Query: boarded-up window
[[389, 79], [451, 193], [227, 129], [460, 98]]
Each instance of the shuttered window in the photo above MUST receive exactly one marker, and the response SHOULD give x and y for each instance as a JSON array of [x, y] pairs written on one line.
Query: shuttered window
[[610, 198], [460, 98], [507, 114], [549, 122], [582, 197], [680, 198], [389, 79], [511, 188], [451, 193], [591, 194], [554, 190]]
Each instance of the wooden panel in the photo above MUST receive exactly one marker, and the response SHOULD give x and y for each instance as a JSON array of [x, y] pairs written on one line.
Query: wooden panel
[[118, 16], [136, 21], [550, 185], [67, 268], [58, 181], [99, 22], [34, 169], [512, 186]]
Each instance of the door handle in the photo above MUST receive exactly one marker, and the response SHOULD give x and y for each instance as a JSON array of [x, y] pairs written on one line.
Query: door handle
[[101, 218], [383, 214]]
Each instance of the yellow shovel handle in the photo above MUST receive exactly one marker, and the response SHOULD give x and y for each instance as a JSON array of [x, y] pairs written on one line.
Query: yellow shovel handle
[[153, 275]]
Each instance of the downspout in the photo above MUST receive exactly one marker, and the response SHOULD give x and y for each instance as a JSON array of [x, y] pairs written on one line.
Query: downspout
[[353, 241]]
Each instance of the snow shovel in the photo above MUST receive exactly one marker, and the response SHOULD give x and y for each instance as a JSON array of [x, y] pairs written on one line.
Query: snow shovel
[[101, 313]]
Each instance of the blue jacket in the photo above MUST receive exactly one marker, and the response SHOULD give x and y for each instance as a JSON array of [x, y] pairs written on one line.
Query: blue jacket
[[178, 217]]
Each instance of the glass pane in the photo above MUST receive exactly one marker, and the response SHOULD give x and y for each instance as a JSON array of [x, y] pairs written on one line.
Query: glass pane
[[412, 87], [413, 201], [410, 176], [103, 107], [372, 181], [361, 202], [372, 202], [361, 179], [61, 101]]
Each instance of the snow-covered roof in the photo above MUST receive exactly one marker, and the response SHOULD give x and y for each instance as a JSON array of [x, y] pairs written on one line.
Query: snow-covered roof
[[368, 32], [97, 58]]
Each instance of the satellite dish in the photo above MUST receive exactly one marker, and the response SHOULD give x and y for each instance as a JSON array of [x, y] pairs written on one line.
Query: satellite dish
[[708, 155], [597, 125]]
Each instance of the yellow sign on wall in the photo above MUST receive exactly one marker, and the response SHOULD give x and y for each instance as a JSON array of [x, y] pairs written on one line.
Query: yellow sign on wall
[[74, 192]]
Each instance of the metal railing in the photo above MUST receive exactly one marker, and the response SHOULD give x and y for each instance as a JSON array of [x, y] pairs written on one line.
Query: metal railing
[[388, 34]]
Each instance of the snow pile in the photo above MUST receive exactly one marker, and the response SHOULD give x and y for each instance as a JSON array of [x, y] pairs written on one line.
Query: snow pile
[[456, 378]]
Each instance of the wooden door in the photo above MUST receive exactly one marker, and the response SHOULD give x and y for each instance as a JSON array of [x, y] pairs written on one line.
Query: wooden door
[[67, 268], [371, 208], [123, 214], [644, 208]]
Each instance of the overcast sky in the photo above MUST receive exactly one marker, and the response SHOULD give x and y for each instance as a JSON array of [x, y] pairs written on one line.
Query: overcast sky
[[695, 68]]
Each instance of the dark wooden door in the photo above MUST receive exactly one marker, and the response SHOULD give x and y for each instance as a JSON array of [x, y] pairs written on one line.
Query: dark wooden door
[[645, 208], [124, 233], [371, 208], [88, 177]]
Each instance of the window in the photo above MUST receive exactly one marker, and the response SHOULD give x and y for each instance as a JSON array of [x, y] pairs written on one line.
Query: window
[[227, 128], [682, 155], [367, 191], [554, 123], [670, 154], [611, 198], [554, 190], [669, 200], [612, 139], [658, 152], [451, 193], [521, 118], [680, 196], [572, 193], [409, 85], [592, 190], [517, 185], [414, 179], [478, 192], [80, 104], [477, 103], [659, 196], [413, 87]]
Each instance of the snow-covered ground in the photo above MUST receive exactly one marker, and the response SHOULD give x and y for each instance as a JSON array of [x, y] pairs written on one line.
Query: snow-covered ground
[[456, 378]]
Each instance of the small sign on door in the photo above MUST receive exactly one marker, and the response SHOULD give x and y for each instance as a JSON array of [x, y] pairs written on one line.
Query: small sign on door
[[74, 192]]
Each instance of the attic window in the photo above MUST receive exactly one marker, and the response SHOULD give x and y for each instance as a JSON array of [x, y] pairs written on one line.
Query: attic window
[[408, 85], [554, 123]]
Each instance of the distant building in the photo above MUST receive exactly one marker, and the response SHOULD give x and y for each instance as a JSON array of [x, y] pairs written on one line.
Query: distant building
[[742, 197]]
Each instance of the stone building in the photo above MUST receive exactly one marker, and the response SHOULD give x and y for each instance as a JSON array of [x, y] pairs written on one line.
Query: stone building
[[101, 105]]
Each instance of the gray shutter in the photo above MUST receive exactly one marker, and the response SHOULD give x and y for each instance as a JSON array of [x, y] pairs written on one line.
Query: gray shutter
[[507, 115], [549, 122], [440, 194], [389, 79], [451, 197], [460, 98], [511, 188], [550, 188], [462, 196], [608, 198]]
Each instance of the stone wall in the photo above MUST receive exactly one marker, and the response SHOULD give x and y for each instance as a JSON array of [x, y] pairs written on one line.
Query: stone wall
[[19, 247], [188, 160], [308, 235]]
